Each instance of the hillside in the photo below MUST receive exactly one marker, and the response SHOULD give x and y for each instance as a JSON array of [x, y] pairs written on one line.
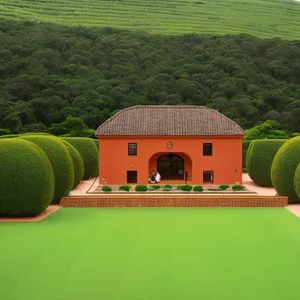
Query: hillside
[[48, 72], [273, 18]]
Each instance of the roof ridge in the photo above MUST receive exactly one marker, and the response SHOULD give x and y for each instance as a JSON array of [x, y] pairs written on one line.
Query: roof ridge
[[173, 120], [152, 106]]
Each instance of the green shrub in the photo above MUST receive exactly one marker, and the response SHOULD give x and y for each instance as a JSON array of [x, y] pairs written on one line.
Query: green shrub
[[106, 188], [77, 163], [4, 131], [89, 154], [259, 160], [248, 153], [245, 146], [125, 188], [167, 186], [26, 179], [283, 169], [36, 133], [198, 188], [166, 189], [223, 187], [237, 187], [141, 188], [185, 187], [60, 160], [297, 181], [8, 136], [96, 142], [155, 187]]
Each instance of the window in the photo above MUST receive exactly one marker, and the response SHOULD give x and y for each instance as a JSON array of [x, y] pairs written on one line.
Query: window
[[207, 149], [132, 149], [208, 176], [131, 176]]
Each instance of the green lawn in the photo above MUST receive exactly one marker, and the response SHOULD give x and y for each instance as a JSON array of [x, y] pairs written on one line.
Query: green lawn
[[264, 18], [157, 254]]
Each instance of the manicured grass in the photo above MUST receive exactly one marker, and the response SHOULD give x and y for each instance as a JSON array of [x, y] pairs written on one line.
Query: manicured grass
[[153, 254], [264, 18]]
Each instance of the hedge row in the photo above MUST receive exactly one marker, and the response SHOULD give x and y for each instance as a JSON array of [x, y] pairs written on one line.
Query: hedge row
[[259, 160], [284, 177], [297, 181], [245, 146], [38, 169], [77, 161], [61, 162], [27, 180], [89, 153]]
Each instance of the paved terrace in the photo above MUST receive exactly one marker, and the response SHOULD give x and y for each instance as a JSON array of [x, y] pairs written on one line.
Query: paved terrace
[[91, 186]]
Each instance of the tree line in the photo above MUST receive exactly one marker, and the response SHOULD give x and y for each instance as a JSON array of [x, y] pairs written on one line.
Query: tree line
[[49, 72]]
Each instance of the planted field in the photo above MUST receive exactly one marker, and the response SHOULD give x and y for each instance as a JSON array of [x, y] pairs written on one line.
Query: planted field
[[134, 254], [262, 18]]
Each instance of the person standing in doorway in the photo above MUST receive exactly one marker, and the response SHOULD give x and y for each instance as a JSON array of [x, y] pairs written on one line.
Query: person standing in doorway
[[157, 177], [152, 176]]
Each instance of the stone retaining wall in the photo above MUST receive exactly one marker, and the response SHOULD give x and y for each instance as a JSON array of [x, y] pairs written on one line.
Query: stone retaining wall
[[173, 201]]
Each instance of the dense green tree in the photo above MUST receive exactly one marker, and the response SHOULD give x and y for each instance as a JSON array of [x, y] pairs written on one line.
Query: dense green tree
[[49, 72], [69, 125], [267, 130]]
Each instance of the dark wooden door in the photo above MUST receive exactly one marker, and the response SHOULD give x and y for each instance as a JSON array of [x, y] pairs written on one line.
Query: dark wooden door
[[170, 166], [131, 176]]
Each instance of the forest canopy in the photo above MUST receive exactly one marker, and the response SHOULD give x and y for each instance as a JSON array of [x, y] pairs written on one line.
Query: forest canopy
[[49, 72]]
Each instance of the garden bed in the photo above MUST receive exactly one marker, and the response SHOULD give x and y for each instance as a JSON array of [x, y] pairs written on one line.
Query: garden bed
[[169, 189]]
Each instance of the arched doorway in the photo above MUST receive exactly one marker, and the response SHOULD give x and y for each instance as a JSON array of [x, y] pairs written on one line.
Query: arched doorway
[[170, 166]]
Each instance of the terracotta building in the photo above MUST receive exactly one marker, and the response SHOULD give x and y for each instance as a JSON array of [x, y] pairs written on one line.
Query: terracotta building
[[183, 143]]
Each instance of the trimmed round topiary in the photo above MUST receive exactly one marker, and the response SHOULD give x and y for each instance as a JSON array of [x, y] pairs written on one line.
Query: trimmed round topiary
[[283, 169], [60, 160], [297, 181], [245, 145], [96, 143], [248, 153], [89, 154], [37, 133], [77, 163], [9, 136], [26, 179], [259, 160]]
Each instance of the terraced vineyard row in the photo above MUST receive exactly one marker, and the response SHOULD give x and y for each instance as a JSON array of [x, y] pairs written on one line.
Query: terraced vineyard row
[[278, 18]]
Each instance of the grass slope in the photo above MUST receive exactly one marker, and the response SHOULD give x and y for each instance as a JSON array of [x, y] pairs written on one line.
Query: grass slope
[[134, 254], [278, 18]]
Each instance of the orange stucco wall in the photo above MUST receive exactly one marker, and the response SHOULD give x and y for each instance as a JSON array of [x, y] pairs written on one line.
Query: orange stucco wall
[[226, 161]]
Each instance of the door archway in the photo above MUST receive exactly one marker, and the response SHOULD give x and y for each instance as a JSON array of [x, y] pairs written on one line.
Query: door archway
[[170, 166]]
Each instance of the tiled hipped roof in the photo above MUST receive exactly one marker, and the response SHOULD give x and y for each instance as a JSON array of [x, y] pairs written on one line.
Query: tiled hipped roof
[[169, 121]]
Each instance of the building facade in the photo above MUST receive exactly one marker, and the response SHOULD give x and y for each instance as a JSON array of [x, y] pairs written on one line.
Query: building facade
[[190, 144]]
